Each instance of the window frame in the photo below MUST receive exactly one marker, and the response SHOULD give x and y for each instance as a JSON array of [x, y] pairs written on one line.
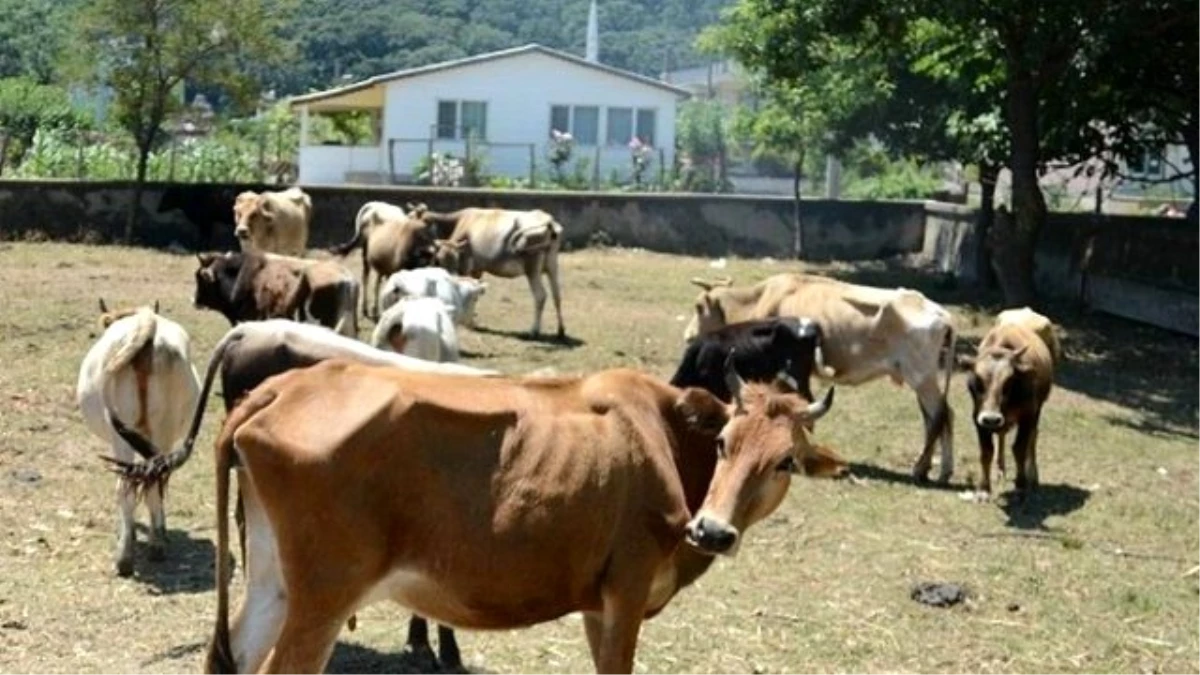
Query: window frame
[[608, 129]]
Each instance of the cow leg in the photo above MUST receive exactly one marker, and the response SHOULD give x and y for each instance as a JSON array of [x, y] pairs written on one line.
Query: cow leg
[[986, 451], [126, 502], [1023, 452], [533, 274], [619, 625], [1000, 461], [552, 274], [417, 643], [375, 303], [938, 428], [448, 652], [158, 522], [256, 627], [366, 278], [307, 639]]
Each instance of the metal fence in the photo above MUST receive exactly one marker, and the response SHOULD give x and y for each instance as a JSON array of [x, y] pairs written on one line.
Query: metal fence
[[415, 161]]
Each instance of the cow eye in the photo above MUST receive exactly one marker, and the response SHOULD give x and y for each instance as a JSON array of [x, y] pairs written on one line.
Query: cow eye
[[721, 447], [788, 465]]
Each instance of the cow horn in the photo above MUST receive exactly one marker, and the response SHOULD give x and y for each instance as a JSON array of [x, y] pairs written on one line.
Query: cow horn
[[103, 307], [702, 283], [734, 382], [156, 307], [816, 411], [1019, 351]]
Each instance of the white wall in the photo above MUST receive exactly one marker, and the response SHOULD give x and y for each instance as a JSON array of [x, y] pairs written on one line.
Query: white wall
[[329, 164], [519, 91]]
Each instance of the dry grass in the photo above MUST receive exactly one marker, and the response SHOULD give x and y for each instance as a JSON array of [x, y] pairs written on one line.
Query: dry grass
[[1091, 575]]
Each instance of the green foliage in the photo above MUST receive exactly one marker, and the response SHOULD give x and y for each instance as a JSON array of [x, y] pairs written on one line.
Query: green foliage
[[360, 38], [26, 107], [897, 179], [701, 142], [32, 32]]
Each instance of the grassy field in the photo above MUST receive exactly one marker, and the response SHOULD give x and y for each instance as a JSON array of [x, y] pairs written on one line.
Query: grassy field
[[1094, 574]]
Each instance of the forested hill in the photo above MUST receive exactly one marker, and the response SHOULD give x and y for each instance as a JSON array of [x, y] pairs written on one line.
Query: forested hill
[[367, 37]]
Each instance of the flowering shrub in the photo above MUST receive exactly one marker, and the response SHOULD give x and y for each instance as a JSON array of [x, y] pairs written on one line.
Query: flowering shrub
[[559, 153], [443, 170], [640, 154]]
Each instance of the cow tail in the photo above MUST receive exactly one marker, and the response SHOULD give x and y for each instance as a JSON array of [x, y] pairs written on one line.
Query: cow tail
[[220, 652], [159, 466], [128, 349], [943, 417], [355, 241]]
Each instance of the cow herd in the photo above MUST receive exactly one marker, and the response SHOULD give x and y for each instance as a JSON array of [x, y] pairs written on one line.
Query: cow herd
[[484, 500]]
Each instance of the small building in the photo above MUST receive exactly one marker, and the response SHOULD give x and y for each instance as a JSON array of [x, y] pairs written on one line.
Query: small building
[[498, 108]]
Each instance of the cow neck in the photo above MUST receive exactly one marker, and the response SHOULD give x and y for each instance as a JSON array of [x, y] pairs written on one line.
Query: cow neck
[[696, 463]]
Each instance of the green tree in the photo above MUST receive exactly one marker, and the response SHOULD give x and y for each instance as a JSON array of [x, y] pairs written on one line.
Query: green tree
[[147, 50], [1045, 75], [27, 107]]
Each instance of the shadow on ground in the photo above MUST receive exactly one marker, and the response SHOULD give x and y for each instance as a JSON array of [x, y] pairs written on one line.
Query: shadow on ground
[[886, 475], [1030, 512], [1150, 371], [549, 339], [355, 658], [188, 567]]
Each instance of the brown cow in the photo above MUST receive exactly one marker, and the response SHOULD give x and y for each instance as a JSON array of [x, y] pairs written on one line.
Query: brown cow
[[867, 333], [254, 286], [487, 503], [1012, 374], [273, 222], [506, 244], [391, 240]]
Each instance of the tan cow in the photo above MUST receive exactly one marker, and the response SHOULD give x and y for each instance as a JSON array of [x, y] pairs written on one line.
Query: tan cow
[[868, 333], [486, 503], [391, 240], [1012, 374], [506, 244], [273, 222]]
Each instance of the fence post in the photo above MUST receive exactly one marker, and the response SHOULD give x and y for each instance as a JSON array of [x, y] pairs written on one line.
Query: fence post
[[171, 162], [532, 167], [596, 168], [80, 169], [662, 170], [391, 160]]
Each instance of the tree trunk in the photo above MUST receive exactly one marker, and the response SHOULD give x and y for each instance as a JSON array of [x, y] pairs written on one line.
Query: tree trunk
[[139, 184], [985, 275], [1191, 138], [798, 231], [1015, 239]]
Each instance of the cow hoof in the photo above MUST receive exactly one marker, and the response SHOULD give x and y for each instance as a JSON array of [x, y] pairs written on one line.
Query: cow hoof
[[125, 567], [421, 657], [943, 479]]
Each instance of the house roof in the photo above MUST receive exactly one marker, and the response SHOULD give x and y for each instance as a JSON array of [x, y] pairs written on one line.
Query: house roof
[[358, 95]]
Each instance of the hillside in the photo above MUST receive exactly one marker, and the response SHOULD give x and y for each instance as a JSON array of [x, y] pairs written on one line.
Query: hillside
[[360, 38]]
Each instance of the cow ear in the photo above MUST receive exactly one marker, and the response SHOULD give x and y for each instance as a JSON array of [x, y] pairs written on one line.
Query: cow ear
[[701, 410], [103, 307]]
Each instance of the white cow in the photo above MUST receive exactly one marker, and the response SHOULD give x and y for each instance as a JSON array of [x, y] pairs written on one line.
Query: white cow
[[418, 327], [141, 370], [459, 293]]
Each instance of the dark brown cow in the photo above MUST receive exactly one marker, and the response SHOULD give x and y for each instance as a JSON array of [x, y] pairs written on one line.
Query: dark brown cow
[[1011, 377], [254, 286], [551, 495]]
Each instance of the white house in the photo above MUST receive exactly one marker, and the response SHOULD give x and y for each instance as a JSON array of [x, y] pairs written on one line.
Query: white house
[[507, 102]]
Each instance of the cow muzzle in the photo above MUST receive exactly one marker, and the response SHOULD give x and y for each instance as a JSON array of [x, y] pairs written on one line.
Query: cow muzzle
[[241, 232], [989, 419], [710, 535]]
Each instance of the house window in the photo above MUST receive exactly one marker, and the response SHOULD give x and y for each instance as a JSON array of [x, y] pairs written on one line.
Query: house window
[[447, 119], [560, 118], [645, 125], [581, 121], [474, 119], [461, 119], [585, 124], [620, 126]]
